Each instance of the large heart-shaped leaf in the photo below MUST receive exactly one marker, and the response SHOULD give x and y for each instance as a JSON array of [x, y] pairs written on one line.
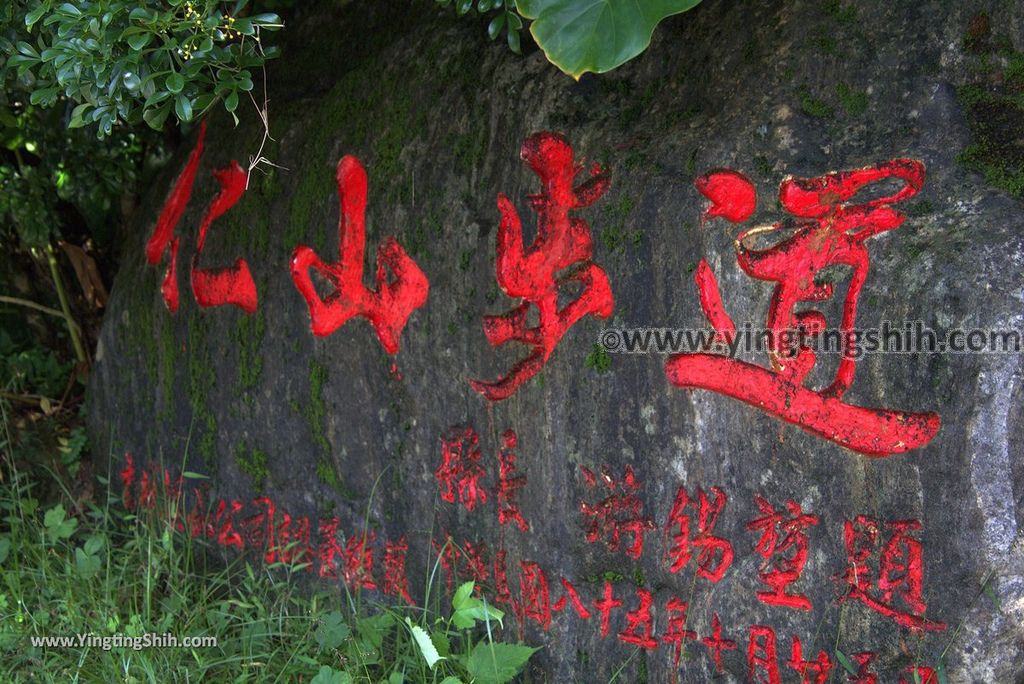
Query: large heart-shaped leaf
[[596, 35]]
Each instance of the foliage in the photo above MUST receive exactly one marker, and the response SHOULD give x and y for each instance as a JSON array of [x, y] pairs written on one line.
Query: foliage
[[59, 180], [133, 60], [70, 568], [31, 369], [583, 35], [503, 16], [578, 36]]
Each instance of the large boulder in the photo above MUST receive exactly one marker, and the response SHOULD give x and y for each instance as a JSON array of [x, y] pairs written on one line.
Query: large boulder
[[750, 511]]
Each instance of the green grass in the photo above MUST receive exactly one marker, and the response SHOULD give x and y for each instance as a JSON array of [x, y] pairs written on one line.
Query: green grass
[[111, 573]]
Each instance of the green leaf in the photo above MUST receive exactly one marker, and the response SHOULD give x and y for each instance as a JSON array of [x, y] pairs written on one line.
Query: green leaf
[[5, 548], [68, 8], [940, 672], [579, 36], [231, 101], [44, 97], [27, 50], [441, 643], [183, 108], [494, 28], [175, 83], [329, 676], [513, 42], [266, 18], [143, 14], [495, 663], [333, 630], [94, 544], [845, 662], [469, 610], [462, 594], [189, 475], [155, 118], [451, 680], [33, 16], [427, 648], [58, 526], [86, 564], [137, 41]]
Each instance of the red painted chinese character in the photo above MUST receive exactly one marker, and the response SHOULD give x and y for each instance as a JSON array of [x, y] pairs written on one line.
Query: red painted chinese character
[[232, 285], [293, 540], [147, 490], [571, 596], [640, 623], [536, 597], [389, 306], [474, 557], [715, 552], [783, 545], [829, 230], [900, 571], [460, 471], [560, 255], [502, 592], [863, 661], [329, 551], [811, 671], [163, 238], [127, 477], [605, 605], [259, 530], [357, 561], [762, 655], [676, 632], [198, 518], [396, 582], [211, 287], [509, 485], [617, 515], [919, 674], [227, 535], [716, 644], [448, 557]]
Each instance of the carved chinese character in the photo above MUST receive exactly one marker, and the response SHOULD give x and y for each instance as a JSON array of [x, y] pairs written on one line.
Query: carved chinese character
[[783, 545], [357, 561], [535, 601], [560, 255], [895, 590], [389, 306], [396, 582], [715, 553], [210, 286], [762, 655], [329, 551], [811, 671], [460, 471], [827, 230], [619, 515], [716, 644], [676, 632], [605, 605], [640, 623], [509, 484]]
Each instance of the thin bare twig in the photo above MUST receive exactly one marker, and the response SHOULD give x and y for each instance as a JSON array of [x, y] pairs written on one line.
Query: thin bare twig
[[264, 114]]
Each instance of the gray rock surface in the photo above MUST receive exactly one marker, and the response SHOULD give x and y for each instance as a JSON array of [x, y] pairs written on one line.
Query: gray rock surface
[[438, 115]]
